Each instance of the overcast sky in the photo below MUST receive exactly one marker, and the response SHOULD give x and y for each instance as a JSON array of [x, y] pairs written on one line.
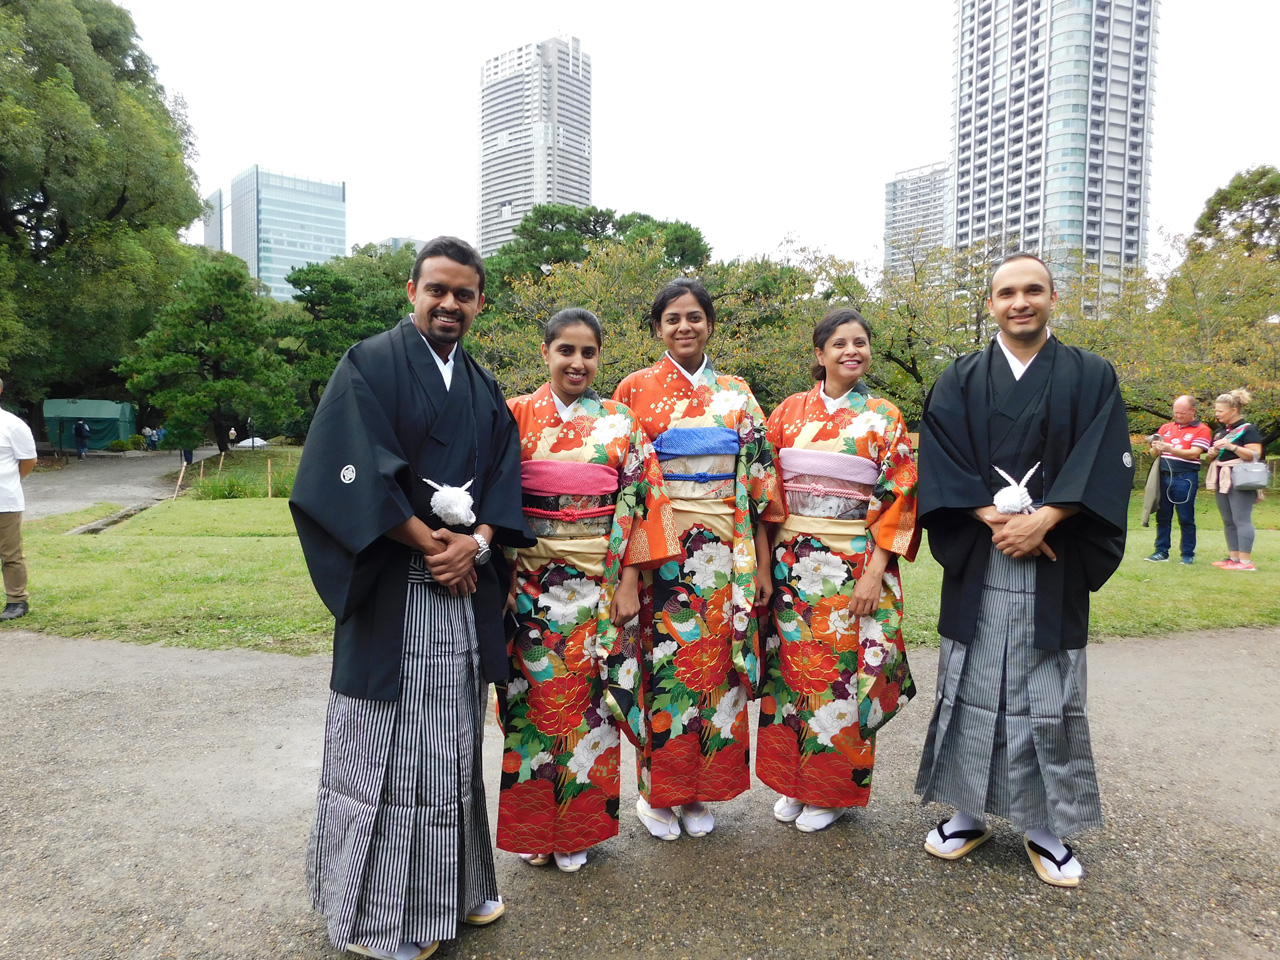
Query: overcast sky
[[754, 129]]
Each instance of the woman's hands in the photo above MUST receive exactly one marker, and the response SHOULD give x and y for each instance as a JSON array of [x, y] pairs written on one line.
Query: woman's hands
[[866, 594], [626, 599]]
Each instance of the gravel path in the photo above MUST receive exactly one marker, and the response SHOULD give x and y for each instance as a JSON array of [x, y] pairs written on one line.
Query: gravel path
[[155, 803], [103, 479]]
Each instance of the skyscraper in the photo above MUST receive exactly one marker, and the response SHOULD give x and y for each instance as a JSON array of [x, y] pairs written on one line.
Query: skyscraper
[[915, 204], [213, 221], [280, 222], [1052, 134], [535, 134]]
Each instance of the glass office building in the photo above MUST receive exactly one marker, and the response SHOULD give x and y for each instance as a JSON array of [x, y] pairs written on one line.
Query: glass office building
[[279, 222]]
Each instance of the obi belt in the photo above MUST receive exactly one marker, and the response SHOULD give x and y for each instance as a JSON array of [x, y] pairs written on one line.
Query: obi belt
[[698, 463], [564, 499], [827, 485]]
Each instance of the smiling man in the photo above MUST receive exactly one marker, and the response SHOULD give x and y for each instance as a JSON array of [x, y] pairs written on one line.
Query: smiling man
[[1025, 476], [408, 484]]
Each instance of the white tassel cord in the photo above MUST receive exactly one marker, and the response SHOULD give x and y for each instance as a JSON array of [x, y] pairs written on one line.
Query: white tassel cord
[[452, 504], [1014, 498]]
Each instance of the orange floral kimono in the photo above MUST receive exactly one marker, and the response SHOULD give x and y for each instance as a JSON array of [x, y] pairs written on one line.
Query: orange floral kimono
[[594, 498], [701, 660], [833, 679]]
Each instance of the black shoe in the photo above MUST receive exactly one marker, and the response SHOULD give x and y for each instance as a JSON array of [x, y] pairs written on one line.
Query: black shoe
[[12, 611], [1158, 557]]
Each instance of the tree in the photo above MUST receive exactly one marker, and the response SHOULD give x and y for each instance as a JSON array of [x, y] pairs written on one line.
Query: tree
[[553, 233], [342, 302], [1245, 212], [94, 185], [209, 360]]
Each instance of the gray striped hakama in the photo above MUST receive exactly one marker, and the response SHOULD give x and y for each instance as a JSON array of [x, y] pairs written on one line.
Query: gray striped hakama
[[1010, 730], [400, 850]]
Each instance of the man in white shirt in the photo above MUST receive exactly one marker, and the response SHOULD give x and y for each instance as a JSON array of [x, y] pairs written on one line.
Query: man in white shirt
[[17, 459]]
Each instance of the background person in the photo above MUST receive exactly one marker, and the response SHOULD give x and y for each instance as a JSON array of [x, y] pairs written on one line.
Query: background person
[[1179, 445], [81, 431], [1235, 441], [698, 621], [593, 496], [837, 667], [17, 460]]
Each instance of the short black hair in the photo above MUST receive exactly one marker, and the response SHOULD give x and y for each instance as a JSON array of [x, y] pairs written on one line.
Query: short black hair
[[828, 325], [571, 317], [459, 251], [676, 289], [1021, 255]]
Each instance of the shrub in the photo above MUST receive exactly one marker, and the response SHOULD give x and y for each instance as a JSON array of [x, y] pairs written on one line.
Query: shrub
[[118, 446]]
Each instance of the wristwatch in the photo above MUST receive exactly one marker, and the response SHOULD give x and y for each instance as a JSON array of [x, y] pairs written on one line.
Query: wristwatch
[[484, 553]]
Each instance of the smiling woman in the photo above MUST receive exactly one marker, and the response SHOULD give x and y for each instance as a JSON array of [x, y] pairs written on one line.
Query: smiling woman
[[718, 465]]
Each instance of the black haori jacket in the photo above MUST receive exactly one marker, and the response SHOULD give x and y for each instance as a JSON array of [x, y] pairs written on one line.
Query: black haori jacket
[[1067, 413], [384, 423]]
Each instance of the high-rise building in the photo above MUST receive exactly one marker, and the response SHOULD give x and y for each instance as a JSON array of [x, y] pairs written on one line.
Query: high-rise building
[[280, 222], [213, 220], [915, 203], [535, 134], [1051, 142], [392, 244]]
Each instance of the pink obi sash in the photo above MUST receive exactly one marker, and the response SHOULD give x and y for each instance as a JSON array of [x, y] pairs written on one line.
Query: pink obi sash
[[823, 463], [545, 481]]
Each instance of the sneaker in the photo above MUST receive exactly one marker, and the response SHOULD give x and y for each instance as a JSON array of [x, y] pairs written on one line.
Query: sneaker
[[1158, 557], [1224, 562], [1241, 565], [1188, 560]]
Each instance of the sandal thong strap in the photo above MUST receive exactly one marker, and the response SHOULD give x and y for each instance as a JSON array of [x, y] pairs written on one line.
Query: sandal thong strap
[[970, 834], [1050, 857]]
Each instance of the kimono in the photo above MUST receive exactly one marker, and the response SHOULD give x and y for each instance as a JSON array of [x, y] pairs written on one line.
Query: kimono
[[400, 847], [701, 661], [1009, 733], [594, 497], [833, 679]]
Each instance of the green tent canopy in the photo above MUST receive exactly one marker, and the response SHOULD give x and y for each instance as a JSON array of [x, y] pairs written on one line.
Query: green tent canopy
[[107, 419]]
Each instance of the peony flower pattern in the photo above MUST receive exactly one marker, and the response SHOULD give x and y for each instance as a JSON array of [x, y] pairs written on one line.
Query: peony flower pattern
[[697, 693], [834, 677]]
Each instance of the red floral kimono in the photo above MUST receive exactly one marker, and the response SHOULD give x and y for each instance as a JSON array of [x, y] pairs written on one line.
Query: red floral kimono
[[701, 659], [834, 678], [593, 496]]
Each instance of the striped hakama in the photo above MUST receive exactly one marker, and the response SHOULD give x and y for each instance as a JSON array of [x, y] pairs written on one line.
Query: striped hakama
[[1010, 729], [400, 850]]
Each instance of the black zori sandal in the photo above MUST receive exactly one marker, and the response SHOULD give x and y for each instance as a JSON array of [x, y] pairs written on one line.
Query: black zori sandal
[[973, 838], [1037, 852]]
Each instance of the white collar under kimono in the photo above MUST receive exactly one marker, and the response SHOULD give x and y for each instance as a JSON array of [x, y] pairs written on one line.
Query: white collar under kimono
[[694, 377], [566, 412], [446, 366], [833, 403], [1018, 367]]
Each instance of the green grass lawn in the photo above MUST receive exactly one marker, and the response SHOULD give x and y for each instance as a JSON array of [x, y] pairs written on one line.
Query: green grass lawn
[[229, 573]]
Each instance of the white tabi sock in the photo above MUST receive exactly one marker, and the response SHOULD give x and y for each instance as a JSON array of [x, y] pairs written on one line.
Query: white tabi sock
[[960, 821], [1069, 870]]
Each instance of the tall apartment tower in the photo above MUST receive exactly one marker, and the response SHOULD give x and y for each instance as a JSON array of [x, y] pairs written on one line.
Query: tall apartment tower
[[1052, 135], [280, 222], [915, 203], [213, 221], [535, 134]]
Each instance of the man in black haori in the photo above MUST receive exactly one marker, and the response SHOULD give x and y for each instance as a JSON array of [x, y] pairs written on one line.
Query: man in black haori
[[408, 485], [1025, 475]]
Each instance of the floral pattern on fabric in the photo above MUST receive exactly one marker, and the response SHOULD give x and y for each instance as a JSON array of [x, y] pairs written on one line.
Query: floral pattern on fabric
[[577, 676], [835, 678], [702, 656]]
